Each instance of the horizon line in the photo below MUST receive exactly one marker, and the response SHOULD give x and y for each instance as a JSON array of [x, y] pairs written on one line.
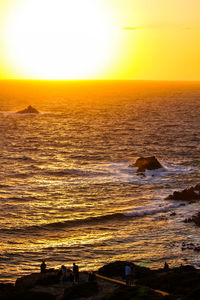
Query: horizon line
[[137, 80]]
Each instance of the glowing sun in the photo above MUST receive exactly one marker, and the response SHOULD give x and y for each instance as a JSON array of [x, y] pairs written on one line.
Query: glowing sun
[[59, 39]]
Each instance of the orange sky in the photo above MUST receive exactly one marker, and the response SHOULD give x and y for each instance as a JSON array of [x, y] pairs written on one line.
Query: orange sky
[[100, 39]]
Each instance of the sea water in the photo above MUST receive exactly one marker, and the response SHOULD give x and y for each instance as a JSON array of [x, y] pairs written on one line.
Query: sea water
[[67, 191]]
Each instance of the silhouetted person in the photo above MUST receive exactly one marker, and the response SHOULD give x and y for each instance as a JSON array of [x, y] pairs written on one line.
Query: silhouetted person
[[166, 266], [128, 274], [43, 267], [64, 273], [76, 272]]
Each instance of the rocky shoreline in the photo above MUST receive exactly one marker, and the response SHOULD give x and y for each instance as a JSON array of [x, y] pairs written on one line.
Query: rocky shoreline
[[180, 283]]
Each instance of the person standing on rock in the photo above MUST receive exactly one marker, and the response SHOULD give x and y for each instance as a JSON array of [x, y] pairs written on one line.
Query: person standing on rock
[[128, 274], [76, 273], [43, 267]]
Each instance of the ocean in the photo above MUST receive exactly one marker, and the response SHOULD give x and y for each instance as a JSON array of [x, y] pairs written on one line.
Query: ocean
[[67, 191]]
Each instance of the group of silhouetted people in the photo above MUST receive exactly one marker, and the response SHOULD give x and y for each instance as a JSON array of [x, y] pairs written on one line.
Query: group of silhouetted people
[[64, 274]]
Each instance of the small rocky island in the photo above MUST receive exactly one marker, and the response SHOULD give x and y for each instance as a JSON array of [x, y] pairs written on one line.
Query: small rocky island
[[190, 194], [146, 163], [28, 110]]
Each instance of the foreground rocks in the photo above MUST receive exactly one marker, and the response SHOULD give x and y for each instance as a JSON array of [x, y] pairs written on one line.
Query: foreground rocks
[[190, 194], [181, 283], [131, 293], [13, 293], [28, 110], [84, 290], [29, 281], [147, 163]]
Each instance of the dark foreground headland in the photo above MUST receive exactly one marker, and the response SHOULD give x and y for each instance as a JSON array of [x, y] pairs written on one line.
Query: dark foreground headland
[[109, 283]]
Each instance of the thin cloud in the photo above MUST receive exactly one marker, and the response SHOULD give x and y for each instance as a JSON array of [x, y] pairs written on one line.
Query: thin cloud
[[129, 28]]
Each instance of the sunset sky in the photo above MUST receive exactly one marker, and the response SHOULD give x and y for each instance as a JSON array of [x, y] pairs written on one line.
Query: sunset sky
[[100, 39]]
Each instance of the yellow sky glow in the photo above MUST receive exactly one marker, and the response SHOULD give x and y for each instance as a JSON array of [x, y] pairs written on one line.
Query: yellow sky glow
[[100, 39]]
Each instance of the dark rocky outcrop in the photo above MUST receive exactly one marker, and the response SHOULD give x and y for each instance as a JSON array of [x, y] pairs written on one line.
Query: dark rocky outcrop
[[11, 292], [147, 163], [190, 194], [195, 219], [29, 281], [28, 110], [178, 282]]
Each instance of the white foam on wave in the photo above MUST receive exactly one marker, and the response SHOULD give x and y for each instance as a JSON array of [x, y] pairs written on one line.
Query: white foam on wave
[[156, 207], [176, 169], [122, 172]]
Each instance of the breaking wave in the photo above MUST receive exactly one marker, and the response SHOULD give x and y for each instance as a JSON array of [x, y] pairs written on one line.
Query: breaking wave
[[136, 212]]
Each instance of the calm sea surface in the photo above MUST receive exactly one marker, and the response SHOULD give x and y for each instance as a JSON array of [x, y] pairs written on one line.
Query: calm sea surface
[[67, 193]]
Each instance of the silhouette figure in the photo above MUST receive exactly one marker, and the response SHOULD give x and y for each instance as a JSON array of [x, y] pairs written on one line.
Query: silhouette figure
[[76, 272], [43, 267]]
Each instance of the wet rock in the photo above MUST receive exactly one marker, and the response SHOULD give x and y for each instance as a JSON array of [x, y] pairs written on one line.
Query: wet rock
[[190, 246], [147, 163], [192, 193], [195, 219], [173, 214], [28, 110]]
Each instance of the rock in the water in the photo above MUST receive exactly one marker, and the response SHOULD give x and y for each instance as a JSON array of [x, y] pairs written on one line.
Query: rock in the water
[[28, 110], [173, 214], [147, 163], [190, 246], [195, 219], [190, 194]]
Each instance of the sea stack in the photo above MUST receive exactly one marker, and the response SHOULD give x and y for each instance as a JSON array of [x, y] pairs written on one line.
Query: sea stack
[[146, 163], [28, 110]]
